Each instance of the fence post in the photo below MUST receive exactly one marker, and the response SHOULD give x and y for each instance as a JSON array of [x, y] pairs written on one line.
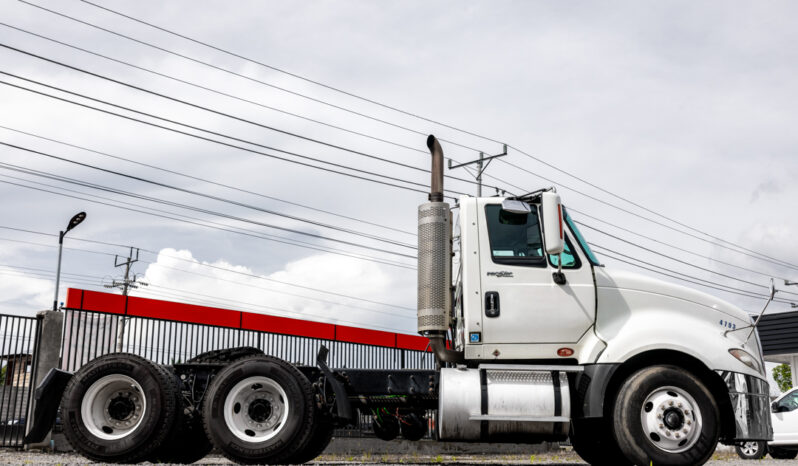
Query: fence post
[[48, 350]]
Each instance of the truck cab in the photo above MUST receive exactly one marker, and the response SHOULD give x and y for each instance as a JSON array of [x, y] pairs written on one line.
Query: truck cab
[[541, 340]]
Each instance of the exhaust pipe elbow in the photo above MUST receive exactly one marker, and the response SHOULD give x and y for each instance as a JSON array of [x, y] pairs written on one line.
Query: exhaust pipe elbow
[[436, 184], [438, 345]]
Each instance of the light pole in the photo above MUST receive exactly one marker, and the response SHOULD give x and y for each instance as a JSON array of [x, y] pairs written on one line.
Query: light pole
[[73, 222]]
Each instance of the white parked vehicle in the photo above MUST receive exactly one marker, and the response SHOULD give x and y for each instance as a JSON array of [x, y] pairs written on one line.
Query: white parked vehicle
[[784, 417]]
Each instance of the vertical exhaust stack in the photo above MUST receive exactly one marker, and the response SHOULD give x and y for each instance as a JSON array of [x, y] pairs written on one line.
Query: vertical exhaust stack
[[434, 252]]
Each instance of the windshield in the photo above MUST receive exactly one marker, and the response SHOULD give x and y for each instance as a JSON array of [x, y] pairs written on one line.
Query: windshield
[[580, 239]]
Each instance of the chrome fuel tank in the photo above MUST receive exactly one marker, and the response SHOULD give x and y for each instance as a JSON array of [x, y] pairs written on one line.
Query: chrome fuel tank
[[504, 403]]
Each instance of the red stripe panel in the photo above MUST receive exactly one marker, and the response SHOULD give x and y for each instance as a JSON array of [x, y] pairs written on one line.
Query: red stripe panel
[[287, 326], [158, 309], [73, 298], [365, 336], [155, 308], [102, 302], [412, 342]]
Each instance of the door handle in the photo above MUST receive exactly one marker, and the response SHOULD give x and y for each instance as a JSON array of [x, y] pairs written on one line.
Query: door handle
[[492, 304]]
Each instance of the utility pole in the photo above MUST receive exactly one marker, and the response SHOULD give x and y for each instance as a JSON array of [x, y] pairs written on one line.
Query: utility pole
[[125, 286], [481, 166]]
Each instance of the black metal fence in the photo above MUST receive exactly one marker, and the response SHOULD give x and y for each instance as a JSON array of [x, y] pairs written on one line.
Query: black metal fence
[[18, 340], [89, 334]]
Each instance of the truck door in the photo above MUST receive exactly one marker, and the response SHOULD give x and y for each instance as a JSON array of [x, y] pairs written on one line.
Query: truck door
[[521, 301]]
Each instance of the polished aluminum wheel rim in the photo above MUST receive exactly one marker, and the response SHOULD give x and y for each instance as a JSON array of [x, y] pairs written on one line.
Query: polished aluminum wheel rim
[[671, 419], [750, 448], [256, 409], [113, 407]]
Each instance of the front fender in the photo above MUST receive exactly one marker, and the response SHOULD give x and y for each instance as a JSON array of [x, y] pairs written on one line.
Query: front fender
[[633, 322]]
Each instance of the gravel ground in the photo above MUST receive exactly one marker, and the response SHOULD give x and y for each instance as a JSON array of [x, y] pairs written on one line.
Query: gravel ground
[[564, 457]]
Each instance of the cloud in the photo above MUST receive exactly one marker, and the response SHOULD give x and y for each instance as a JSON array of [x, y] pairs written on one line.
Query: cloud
[[24, 294], [322, 287], [765, 188]]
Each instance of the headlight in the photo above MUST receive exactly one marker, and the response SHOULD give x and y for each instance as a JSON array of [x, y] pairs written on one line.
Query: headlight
[[747, 359]]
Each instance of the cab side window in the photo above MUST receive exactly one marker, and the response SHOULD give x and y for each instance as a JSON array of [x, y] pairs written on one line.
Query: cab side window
[[569, 259], [514, 238]]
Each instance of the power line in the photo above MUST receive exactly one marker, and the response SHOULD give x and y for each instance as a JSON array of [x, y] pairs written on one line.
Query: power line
[[50, 273], [645, 208], [194, 221], [271, 67], [518, 167], [211, 266], [192, 208], [156, 264], [680, 276], [219, 68], [730, 277], [771, 259], [272, 280], [693, 253], [215, 133], [222, 143], [210, 110], [218, 92], [218, 198], [181, 293], [184, 175], [33, 243]]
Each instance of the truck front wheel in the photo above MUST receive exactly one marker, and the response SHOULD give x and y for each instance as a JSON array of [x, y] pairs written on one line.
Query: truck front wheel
[[665, 415]]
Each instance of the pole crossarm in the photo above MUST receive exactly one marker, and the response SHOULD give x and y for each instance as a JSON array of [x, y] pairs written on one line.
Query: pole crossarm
[[482, 164]]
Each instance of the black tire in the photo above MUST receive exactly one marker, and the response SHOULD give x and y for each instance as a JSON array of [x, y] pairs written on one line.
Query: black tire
[[385, 427], [592, 440], [682, 424], [151, 407], [753, 450], [782, 453], [315, 446], [187, 443], [269, 425], [413, 426]]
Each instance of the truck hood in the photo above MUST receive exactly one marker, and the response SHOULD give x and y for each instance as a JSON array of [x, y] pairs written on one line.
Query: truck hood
[[623, 280]]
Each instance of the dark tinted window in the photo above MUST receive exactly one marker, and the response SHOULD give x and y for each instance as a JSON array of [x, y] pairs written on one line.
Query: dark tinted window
[[514, 238]]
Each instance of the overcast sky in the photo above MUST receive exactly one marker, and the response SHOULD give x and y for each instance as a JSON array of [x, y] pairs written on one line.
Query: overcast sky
[[685, 108]]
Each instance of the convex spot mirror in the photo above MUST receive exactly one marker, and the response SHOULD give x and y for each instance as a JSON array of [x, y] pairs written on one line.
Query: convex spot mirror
[[552, 222], [516, 207]]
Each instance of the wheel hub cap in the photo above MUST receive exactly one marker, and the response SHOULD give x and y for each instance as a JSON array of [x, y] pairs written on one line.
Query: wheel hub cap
[[113, 407], [256, 409], [670, 419]]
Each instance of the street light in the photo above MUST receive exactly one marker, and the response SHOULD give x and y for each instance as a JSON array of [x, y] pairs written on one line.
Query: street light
[[73, 222]]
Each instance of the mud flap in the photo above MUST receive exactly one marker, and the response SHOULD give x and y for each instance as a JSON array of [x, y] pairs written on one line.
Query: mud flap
[[47, 398]]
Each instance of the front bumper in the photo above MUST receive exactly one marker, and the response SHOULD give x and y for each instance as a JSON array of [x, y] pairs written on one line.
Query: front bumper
[[751, 403]]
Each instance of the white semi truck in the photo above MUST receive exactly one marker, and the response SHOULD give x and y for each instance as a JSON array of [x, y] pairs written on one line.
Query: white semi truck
[[535, 341]]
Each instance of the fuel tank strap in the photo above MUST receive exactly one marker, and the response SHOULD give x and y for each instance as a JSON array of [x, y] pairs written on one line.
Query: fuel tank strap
[[483, 423]]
